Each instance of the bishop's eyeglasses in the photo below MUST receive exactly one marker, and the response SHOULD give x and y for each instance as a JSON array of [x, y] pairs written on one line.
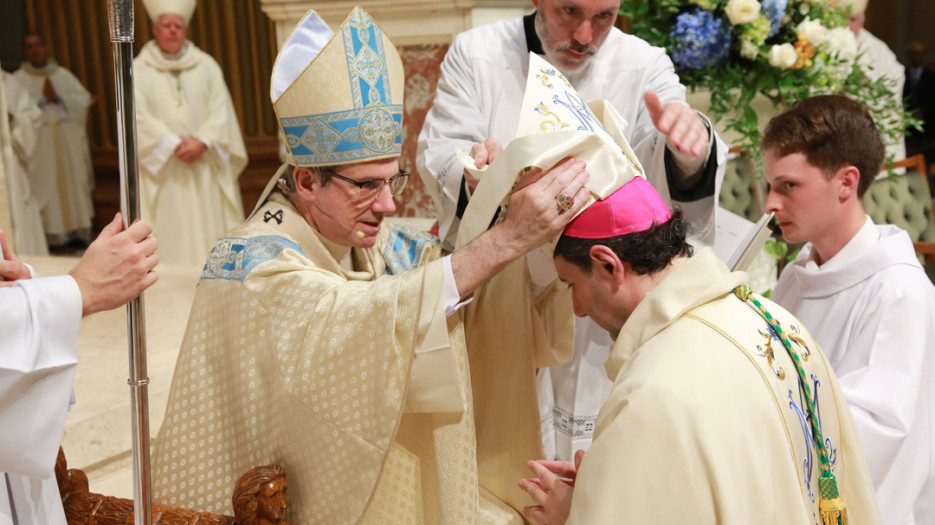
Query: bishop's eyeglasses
[[369, 189]]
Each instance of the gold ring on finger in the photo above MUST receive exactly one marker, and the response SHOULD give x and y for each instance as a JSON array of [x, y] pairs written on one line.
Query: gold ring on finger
[[564, 201]]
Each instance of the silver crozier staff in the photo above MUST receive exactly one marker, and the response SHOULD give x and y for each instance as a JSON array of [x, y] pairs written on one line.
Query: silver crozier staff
[[120, 16]]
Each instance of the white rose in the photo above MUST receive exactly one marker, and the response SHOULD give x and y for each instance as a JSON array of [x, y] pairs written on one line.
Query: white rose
[[783, 56], [812, 31], [841, 42], [742, 11], [748, 49]]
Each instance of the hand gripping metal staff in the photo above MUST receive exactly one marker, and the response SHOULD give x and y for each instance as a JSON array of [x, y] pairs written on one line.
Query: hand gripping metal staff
[[120, 16]]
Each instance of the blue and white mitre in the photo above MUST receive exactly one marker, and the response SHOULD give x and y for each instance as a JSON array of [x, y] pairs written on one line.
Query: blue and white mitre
[[339, 96]]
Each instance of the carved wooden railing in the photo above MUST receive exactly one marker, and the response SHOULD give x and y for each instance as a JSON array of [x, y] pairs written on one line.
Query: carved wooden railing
[[82, 507]]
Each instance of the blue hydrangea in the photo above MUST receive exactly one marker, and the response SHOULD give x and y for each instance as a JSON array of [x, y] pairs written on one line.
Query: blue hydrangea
[[702, 40], [774, 10]]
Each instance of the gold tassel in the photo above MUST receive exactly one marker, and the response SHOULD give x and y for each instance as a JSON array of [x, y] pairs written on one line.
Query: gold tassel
[[833, 511], [830, 505]]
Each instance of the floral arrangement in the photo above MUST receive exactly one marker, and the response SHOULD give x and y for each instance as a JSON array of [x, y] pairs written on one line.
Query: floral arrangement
[[784, 49]]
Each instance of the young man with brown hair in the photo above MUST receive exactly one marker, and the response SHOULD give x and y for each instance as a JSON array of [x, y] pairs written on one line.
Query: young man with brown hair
[[860, 290]]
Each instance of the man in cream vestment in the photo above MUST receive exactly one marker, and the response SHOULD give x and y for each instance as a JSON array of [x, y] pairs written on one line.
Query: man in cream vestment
[[331, 343], [860, 289], [191, 149], [60, 172], [710, 420], [476, 108], [18, 135]]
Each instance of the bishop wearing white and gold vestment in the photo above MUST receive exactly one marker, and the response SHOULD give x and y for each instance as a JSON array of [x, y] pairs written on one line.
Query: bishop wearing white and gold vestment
[[331, 343]]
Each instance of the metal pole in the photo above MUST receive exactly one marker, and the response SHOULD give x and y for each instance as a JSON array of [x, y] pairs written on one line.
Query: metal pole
[[120, 16]]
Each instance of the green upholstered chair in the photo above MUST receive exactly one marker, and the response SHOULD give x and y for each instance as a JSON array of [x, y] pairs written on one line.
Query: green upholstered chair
[[742, 189], [905, 201]]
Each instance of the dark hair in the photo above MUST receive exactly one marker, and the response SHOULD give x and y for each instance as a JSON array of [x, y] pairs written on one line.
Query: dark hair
[[832, 132], [287, 178], [35, 34], [647, 252]]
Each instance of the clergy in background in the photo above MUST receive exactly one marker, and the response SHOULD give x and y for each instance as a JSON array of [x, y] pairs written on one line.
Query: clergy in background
[[714, 414], [861, 291], [18, 136], [330, 342], [191, 150], [60, 174], [877, 60]]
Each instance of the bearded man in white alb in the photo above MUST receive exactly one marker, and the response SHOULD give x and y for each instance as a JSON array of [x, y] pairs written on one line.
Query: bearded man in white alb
[[860, 290], [18, 142], [60, 173], [191, 150], [476, 109]]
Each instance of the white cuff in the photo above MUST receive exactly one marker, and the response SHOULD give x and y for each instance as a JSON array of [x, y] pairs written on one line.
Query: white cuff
[[688, 164], [157, 157], [220, 154], [451, 296]]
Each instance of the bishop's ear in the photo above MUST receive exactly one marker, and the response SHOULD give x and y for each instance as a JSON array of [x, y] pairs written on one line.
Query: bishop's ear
[[606, 264], [306, 181]]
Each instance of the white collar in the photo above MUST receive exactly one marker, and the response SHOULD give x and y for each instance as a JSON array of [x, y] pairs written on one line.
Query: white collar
[[864, 239]]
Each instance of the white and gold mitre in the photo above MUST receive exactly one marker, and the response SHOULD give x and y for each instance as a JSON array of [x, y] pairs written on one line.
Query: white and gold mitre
[[339, 97], [554, 123], [857, 6], [155, 8]]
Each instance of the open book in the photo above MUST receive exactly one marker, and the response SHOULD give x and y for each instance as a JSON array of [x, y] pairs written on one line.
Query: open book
[[751, 244]]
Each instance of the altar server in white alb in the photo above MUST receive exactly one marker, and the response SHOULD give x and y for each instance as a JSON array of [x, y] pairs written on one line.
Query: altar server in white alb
[[191, 149], [18, 136], [476, 108], [60, 174], [39, 352], [723, 410], [860, 290]]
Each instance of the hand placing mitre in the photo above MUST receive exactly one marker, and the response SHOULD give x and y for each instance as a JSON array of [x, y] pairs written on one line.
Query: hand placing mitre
[[552, 488], [483, 153], [680, 123]]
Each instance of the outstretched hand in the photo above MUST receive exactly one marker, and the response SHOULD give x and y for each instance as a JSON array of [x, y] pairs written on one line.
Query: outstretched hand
[[117, 266], [552, 488], [680, 123], [11, 268]]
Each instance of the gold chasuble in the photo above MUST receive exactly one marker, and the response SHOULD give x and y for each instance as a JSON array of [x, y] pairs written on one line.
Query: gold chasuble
[[707, 421], [510, 336], [337, 364]]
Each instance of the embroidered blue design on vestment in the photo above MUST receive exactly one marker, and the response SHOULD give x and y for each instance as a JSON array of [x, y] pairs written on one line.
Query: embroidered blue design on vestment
[[234, 257], [373, 126], [404, 247], [344, 136], [808, 463]]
